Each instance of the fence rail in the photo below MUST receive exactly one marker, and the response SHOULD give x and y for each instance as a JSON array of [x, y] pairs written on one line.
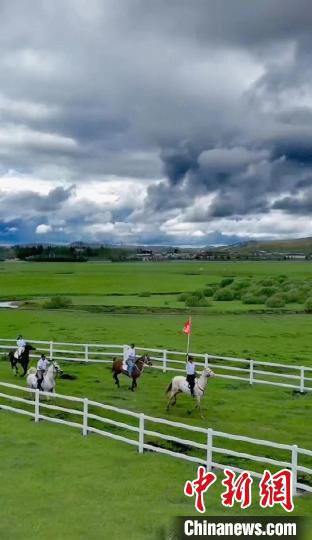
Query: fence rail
[[200, 445], [241, 369]]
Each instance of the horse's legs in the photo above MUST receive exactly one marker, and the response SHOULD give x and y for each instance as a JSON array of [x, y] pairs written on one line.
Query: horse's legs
[[24, 366], [197, 406], [13, 363], [172, 399], [198, 398], [116, 379], [169, 402]]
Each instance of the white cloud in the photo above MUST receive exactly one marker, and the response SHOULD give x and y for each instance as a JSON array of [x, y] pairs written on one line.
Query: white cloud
[[21, 137], [43, 229], [26, 110]]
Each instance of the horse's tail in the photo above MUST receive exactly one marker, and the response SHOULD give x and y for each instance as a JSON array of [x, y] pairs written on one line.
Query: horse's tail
[[32, 371], [169, 388]]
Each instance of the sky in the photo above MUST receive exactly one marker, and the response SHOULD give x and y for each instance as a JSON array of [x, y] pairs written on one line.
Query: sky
[[169, 122]]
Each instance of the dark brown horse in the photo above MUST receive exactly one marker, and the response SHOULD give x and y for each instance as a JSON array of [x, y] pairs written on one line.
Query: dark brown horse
[[137, 369], [23, 360]]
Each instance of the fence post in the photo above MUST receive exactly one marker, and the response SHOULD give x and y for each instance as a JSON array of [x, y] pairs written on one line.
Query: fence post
[[209, 449], [302, 379], [85, 417], [141, 434], [86, 353], [206, 360], [164, 361], [51, 350], [125, 352], [294, 463], [251, 372], [37, 405]]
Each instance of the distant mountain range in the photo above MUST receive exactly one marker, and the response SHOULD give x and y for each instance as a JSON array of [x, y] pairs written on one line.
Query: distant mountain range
[[293, 245]]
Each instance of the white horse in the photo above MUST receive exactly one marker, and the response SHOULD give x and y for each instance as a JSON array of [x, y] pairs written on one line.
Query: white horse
[[48, 382], [179, 385]]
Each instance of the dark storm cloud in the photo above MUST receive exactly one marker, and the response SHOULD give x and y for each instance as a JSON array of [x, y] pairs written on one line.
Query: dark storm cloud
[[178, 161], [28, 203], [213, 103], [296, 205]]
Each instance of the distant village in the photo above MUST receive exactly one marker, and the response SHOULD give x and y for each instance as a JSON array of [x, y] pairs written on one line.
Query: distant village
[[219, 254], [83, 252]]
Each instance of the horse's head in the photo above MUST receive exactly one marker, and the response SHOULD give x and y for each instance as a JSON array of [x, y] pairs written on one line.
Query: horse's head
[[208, 373], [29, 347], [147, 360], [56, 368], [143, 360]]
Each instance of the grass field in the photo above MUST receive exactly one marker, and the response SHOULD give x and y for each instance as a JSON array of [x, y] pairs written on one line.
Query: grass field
[[105, 489], [270, 337], [96, 484], [136, 285]]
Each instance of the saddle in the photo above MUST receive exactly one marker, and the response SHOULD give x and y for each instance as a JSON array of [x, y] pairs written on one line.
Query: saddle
[[126, 371]]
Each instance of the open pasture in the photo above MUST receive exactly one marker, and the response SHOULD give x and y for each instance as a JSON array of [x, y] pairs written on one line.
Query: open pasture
[[150, 286], [93, 476], [277, 338], [92, 481], [88, 468]]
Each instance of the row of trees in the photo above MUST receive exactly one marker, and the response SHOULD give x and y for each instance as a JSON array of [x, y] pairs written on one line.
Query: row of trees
[[69, 253]]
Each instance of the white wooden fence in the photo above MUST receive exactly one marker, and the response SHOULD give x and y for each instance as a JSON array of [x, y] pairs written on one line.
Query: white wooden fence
[[239, 369], [208, 447]]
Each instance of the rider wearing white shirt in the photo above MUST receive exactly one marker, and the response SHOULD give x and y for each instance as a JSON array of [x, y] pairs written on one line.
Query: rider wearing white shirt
[[21, 344], [131, 358], [190, 374], [42, 366]]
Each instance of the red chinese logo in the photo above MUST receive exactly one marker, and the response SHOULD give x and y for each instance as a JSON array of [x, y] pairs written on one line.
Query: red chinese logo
[[199, 486], [276, 489], [238, 489]]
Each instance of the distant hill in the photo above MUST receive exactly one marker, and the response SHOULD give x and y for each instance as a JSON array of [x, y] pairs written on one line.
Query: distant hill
[[293, 245]]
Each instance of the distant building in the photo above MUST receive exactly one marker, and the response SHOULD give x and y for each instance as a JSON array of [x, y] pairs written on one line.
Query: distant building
[[294, 256], [212, 255]]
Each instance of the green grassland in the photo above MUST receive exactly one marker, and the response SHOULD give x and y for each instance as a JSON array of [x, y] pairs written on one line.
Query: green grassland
[[157, 286], [285, 338], [103, 490], [96, 486]]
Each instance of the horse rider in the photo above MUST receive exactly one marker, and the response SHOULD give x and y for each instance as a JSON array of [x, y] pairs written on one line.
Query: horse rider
[[21, 344], [190, 373], [42, 366], [131, 359]]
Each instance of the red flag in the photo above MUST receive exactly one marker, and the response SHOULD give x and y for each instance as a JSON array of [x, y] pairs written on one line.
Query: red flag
[[187, 328]]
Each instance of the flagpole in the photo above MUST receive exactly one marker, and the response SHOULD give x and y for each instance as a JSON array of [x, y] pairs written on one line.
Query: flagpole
[[188, 338]]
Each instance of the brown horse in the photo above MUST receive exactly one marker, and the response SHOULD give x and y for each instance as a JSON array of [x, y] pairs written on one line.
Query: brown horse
[[137, 369]]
